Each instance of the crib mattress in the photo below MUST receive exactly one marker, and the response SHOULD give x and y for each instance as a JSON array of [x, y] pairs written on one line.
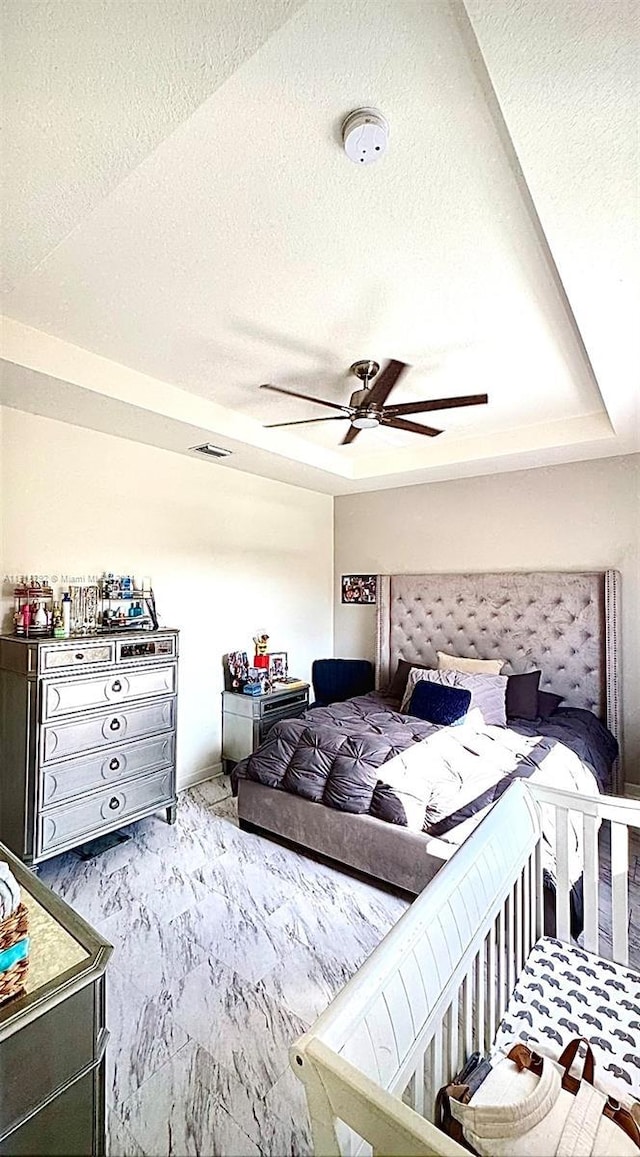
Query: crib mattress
[[564, 992]]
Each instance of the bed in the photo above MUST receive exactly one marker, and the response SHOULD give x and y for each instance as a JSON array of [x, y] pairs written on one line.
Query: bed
[[467, 968], [563, 623]]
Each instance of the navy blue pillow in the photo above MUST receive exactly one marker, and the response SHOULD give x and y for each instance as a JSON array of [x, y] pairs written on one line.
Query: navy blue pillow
[[438, 703], [547, 703]]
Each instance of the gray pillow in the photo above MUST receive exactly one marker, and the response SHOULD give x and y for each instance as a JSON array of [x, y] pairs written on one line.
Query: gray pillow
[[488, 692]]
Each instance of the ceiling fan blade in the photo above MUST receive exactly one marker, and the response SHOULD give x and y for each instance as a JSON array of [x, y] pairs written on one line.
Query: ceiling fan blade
[[306, 398], [351, 433], [437, 404], [384, 383], [307, 421], [410, 427]]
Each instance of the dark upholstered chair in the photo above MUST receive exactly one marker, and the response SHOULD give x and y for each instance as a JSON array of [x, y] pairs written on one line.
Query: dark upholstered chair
[[335, 680]]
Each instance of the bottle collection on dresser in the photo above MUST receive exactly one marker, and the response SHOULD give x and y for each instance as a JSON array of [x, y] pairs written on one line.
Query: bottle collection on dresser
[[114, 602], [87, 736]]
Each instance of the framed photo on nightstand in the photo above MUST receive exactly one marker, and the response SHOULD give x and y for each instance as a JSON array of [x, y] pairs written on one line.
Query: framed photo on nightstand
[[278, 666]]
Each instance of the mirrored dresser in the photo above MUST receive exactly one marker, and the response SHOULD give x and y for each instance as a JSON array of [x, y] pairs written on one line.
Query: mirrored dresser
[[87, 737], [53, 1037]]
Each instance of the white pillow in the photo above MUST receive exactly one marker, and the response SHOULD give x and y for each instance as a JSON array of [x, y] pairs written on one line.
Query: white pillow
[[488, 692], [469, 666]]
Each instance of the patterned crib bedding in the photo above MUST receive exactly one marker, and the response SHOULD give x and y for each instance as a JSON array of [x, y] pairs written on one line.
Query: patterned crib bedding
[[564, 992]]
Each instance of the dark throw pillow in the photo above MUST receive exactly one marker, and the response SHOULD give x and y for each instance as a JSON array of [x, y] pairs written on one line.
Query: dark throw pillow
[[547, 703], [522, 695], [437, 703], [398, 684]]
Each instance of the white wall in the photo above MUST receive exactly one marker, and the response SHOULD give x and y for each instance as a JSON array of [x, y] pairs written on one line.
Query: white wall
[[229, 553], [583, 516]]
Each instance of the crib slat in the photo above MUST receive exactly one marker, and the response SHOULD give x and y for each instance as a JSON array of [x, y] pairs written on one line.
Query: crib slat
[[538, 892], [429, 1081], [436, 1061], [511, 946], [491, 985], [480, 998], [454, 1039], [619, 892], [519, 931], [502, 964], [591, 879], [467, 1023], [563, 922], [417, 1082], [526, 912]]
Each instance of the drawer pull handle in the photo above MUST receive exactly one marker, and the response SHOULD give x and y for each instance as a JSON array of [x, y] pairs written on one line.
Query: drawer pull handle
[[115, 764], [115, 725], [79, 655], [117, 686], [114, 803]]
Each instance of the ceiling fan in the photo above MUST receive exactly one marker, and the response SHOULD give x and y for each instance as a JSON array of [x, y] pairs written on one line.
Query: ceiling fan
[[367, 408]]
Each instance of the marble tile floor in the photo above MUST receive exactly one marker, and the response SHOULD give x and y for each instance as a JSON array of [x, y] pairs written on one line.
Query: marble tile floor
[[227, 947]]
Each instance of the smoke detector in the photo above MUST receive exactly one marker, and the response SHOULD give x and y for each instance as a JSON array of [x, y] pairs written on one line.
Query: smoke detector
[[365, 134]]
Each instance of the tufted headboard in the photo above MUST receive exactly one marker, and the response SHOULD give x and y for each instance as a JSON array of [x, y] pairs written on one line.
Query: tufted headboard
[[564, 623]]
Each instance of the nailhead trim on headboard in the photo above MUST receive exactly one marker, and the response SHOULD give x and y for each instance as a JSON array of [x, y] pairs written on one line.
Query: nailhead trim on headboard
[[563, 622], [613, 685]]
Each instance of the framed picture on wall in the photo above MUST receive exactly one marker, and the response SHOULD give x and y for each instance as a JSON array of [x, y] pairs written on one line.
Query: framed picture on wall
[[359, 588]]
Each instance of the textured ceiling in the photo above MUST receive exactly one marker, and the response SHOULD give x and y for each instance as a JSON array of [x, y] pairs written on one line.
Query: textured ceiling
[[180, 209], [89, 89]]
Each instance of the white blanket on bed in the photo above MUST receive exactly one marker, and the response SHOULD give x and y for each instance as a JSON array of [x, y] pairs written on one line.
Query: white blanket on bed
[[445, 783]]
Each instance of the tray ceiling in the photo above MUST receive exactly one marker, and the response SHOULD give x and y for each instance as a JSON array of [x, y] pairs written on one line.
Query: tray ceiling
[[184, 225]]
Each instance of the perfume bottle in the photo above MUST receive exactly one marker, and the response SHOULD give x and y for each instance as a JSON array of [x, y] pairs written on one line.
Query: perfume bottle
[[40, 618], [58, 629]]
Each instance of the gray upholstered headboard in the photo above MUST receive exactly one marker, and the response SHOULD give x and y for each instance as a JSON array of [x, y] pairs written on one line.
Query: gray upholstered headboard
[[564, 623]]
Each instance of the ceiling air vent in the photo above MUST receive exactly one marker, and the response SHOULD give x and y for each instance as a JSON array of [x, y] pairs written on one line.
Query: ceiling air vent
[[211, 451]]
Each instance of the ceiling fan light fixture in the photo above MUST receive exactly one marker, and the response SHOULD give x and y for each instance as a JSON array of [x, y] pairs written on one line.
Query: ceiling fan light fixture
[[365, 421]]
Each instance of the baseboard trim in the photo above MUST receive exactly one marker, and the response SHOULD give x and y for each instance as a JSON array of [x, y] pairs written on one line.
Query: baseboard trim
[[191, 779], [632, 790]]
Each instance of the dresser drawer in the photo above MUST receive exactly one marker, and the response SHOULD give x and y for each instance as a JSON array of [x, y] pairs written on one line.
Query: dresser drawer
[[74, 777], [284, 708], [153, 647], [74, 822], [79, 654], [47, 1053], [66, 696], [105, 729]]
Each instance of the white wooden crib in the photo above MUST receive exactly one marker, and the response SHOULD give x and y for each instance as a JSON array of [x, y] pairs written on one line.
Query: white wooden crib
[[437, 986]]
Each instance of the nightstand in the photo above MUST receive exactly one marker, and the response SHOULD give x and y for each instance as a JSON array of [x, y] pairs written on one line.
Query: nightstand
[[246, 719]]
